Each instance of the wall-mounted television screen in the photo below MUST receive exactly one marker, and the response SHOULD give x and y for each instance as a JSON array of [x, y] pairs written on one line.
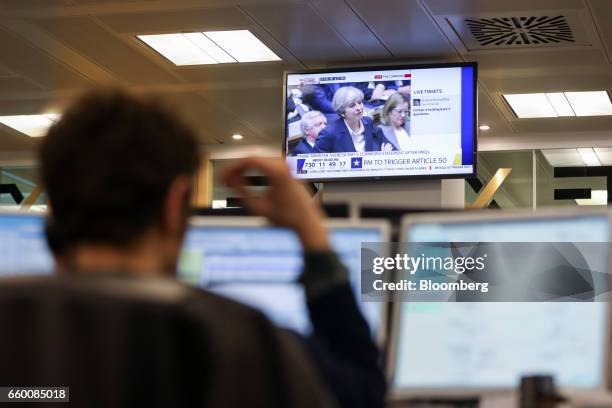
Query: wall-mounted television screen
[[389, 122]]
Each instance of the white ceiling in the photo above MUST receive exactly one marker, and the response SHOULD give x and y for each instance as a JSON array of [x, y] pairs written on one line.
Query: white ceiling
[[51, 49]]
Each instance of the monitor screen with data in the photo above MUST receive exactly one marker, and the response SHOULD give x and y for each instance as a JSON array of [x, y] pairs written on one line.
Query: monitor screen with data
[[23, 248], [258, 265], [458, 347]]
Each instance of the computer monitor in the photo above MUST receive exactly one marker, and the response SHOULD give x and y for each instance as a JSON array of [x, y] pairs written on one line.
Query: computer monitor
[[257, 264], [437, 112], [475, 348], [23, 247]]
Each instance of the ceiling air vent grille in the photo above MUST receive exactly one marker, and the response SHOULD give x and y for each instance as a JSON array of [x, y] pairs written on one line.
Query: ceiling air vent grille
[[521, 31]]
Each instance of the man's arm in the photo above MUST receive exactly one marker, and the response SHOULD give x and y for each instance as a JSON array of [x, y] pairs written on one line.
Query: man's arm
[[341, 342]]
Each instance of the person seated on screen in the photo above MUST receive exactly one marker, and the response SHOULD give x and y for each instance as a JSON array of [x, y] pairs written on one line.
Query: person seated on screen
[[395, 122], [311, 124], [119, 169], [319, 96], [295, 109], [353, 132], [402, 87]]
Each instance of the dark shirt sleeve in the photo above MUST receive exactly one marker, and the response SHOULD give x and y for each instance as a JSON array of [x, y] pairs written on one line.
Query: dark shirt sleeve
[[341, 341], [380, 138], [290, 105], [324, 141], [318, 98], [363, 87]]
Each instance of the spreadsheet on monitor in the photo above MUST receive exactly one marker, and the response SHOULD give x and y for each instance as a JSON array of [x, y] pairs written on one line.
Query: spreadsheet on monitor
[[259, 266], [462, 346], [23, 248]]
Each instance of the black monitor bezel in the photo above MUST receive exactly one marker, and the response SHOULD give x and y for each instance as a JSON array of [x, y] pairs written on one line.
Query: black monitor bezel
[[474, 65]]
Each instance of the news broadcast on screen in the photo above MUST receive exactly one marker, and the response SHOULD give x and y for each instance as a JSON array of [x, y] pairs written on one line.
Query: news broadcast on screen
[[392, 122]]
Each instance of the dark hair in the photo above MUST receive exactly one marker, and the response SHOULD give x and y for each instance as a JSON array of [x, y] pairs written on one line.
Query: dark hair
[[107, 165]]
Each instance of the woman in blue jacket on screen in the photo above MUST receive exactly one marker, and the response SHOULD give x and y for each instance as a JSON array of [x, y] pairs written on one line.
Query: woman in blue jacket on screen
[[353, 132]]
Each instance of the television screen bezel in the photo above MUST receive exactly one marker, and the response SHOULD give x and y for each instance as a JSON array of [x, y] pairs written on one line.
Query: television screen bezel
[[473, 65]]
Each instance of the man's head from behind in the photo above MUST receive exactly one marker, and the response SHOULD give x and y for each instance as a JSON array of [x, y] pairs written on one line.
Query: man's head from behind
[[118, 171]]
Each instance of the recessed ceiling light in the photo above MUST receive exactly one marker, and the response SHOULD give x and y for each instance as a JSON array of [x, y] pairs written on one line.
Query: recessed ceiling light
[[598, 197], [559, 104], [563, 157], [590, 103], [534, 105], [210, 47], [242, 45], [604, 154], [588, 156], [178, 49], [31, 125], [237, 137], [484, 127], [219, 203]]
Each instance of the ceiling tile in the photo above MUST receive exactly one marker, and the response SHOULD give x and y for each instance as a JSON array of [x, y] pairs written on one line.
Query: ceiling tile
[[529, 70], [177, 21], [16, 85], [26, 4], [563, 125], [488, 114], [24, 107], [5, 73], [301, 30], [605, 155], [251, 107], [404, 27], [13, 141], [602, 11], [106, 1], [465, 7], [212, 121], [29, 62], [350, 26], [541, 77], [85, 36], [235, 73]]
